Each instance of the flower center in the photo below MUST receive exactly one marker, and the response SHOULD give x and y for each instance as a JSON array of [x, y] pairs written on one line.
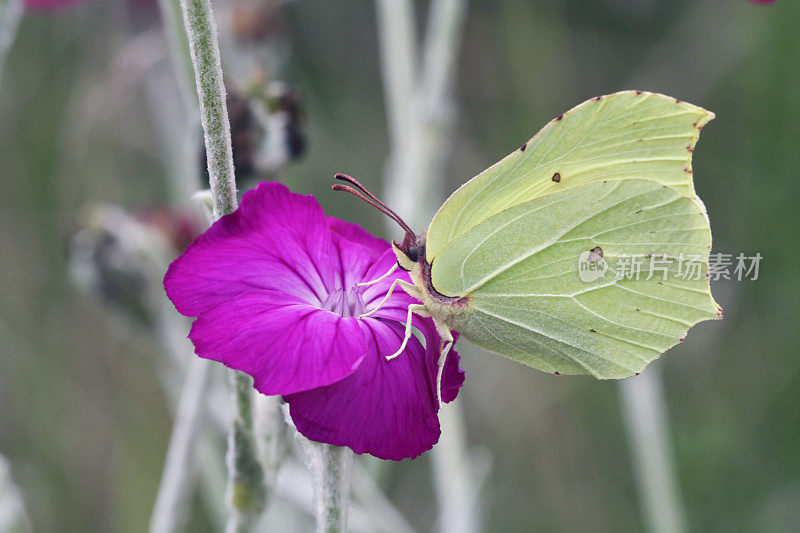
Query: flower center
[[345, 303]]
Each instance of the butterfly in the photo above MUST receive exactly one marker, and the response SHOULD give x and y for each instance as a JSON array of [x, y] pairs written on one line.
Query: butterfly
[[584, 251]]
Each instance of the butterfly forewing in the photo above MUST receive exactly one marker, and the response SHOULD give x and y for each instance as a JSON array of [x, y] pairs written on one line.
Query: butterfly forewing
[[626, 135]]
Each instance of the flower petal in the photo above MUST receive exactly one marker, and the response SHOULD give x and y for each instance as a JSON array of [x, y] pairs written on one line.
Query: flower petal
[[286, 344], [385, 408], [358, 235], [275, 240], [351, 261]]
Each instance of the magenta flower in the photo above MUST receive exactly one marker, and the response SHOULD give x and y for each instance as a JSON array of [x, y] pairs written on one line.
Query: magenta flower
[[274, 289]]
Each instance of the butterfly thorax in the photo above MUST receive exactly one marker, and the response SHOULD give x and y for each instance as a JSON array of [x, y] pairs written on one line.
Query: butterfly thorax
[[411, 258]]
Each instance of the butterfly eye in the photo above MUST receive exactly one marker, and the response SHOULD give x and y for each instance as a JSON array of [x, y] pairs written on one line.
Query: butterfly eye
[[413, 252]]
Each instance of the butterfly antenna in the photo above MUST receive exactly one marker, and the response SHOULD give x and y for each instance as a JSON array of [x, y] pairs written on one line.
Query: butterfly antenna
[[371, 199]]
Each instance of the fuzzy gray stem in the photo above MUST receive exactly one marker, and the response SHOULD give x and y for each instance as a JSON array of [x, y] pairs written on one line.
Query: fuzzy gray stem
[[421, 143], [458, 475], [185, 171], [397, 37], [644, 413], [383, 515], [270, 434], [13, 516], [246, 489], [201, 29], [331, 468], [246, 492], [172, 21], [10, 16], [415, 177], [642, 400], [171, 503]]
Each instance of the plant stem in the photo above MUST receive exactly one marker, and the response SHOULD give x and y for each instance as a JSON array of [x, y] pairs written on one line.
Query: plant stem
[[201, 29], [645, 415], [333, 491], [246, 493], [171, 503], [397, 36], [458, 475], [181, 132], [246, 490], [172, 21], [13, 516], [420, 117], [331, 468], [420, 120], [10, 16], [643, 403], [383, 515], [270, 434]]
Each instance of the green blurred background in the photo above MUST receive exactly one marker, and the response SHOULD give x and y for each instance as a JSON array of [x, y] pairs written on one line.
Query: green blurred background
[[83, 419]]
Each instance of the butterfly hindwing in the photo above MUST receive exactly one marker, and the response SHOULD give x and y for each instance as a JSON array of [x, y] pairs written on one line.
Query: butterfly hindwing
[[528, 300]]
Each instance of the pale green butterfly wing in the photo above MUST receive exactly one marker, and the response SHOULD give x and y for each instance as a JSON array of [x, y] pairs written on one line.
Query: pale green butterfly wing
[[629, 134], [527, 301]]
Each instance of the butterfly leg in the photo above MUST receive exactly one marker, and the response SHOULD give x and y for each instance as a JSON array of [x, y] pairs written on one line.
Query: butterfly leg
[[411, 289], [383, 277], [447, 343], [408, 287], [413, 309]]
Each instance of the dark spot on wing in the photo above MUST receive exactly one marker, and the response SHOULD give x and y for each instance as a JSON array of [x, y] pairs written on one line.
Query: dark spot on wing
[[522, 148], [596, 98], [556, 177], [638, 92], [559, 117], [557, 373], [677, 101]]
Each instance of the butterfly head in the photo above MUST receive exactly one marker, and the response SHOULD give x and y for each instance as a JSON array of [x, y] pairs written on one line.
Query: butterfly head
[[410, 252]]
